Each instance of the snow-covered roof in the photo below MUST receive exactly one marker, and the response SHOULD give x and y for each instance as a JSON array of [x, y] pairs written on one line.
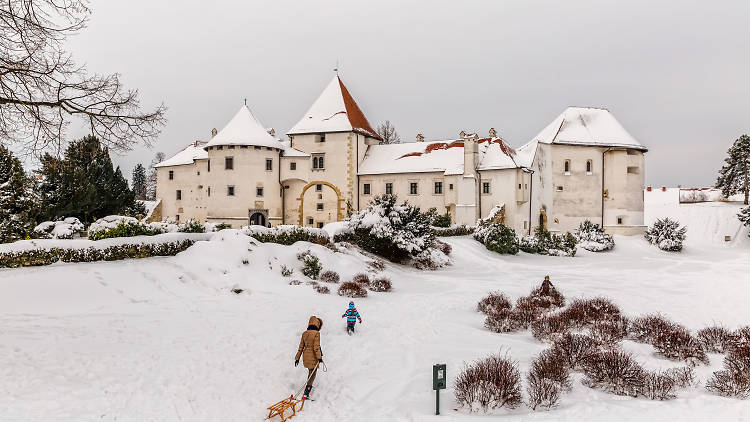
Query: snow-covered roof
[[435, 156], [288, 151], [244, 129], [587, 126], [334, 111], [194, 151]]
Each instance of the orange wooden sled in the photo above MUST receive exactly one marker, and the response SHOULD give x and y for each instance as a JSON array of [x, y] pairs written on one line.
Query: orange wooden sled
[[279, 408]]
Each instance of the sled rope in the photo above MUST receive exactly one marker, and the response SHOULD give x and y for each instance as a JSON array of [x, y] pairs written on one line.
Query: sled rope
[[315, 370], [279, 408]]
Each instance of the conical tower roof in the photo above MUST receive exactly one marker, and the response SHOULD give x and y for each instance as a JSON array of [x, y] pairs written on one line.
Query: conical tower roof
[[244, 129], [334, 111]]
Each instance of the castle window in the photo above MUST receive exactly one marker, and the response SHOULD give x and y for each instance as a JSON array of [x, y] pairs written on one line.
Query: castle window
[[209, 191], [178, 217], [438, 188], [269, 164], [228, 163], [588, 167], [366, 188], [179, 195], [319, 187], [243, 146], [559, 188], [389, 188], [413, 188], [259, 191], [318, 163], [486, 188], [171, 174], [256, 147], [319, 206], [450, 186], [310, 221], [567, 167], [209, 165], [230, 190], [320, 224], [633, 170], [322, 137], [619, 220], [519, 186], [230, 147], [292, 166], [220, 148]]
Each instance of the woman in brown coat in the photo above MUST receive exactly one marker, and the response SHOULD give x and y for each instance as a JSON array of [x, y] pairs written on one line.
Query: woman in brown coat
[[309, 350]]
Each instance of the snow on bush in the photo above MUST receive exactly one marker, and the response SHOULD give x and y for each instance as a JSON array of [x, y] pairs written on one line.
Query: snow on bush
[[454, 230], [329, 276], [352, 289], [670, 340], [575, 349], [717, 339], [192, 226], [591, 237], [438, 220], [616, 372], [295, 283], [550, 327], [443, 247], [646, 328], [310, 264], [544, 298], [361, 278], [497, 238], [744, 217], [287, 234], [609, 332], [394, 231], [286, 271], [63, 229], [381, 284], [430, 259], [734, 378], [322, 289], [584, 312], [666, 234], [120, 226], [494, 302], [505, 321], [546, 243], [548, 377], [683, 376], [659, 386], [489, 383]]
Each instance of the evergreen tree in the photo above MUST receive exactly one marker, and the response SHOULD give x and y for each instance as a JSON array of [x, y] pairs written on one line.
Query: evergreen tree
[[734, 176], [84, 184], [17, 205], [139, 181], [744, 217]]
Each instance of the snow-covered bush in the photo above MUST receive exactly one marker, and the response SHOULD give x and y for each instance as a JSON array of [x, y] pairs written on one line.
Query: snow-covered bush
[[352, 289], [381, 284], [550, 326], [734, 378], [497, 238], [666, 234], [544, 298], [295, 283], [329, 276], [287, 235], [683, 376], [192, 226], [546, 380], [455, 230], [645, 329], [592, 237], [717, 339], [63, 229], [322, 289], [489, 383], [310, 264], [583, 312], [504, 321], [443, 247], [376, 265], [670, 340], [361, 278], [609, 332], [659, 386], [575, 349], [37, 257], [546, 243], [120, 226], [494, 302], [286, 271], [744, 217], [438, 220], [616, 372], [430, 259], [393, 231]]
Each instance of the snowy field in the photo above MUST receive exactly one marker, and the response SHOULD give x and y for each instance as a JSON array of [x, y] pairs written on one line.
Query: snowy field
[[164, 339]]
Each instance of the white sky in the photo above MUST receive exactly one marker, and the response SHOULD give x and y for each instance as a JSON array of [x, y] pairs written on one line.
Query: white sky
[[674, 73]]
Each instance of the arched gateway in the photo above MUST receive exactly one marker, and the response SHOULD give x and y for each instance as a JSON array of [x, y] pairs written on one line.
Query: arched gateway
[[340, 212]]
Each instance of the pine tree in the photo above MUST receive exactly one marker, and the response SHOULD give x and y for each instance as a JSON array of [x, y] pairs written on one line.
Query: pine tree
[[151, 181], [734, 176], [139, 181], [17, 205], [744, 217], [83, 183]]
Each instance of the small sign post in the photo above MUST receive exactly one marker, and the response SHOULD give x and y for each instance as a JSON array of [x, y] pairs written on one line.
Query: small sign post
[[438, 383]]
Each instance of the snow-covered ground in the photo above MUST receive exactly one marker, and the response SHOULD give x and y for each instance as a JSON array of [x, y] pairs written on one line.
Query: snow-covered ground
[[164, 339]]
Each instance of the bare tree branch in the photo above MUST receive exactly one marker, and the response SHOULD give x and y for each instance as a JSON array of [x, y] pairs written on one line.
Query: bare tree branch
[[388, 133]]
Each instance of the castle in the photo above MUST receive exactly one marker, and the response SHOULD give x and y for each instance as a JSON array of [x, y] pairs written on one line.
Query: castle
[[583, 165]]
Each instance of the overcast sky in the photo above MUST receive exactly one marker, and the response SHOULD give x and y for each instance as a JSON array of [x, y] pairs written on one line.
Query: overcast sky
[[676, 74]]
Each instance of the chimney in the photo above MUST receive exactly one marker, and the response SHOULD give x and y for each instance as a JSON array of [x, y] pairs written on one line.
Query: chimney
[[420, 137], [493, 133], [470, 152], [214, 132]]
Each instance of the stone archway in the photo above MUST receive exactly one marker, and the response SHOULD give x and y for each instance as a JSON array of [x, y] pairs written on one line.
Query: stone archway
[[340, 211], [258, 217]]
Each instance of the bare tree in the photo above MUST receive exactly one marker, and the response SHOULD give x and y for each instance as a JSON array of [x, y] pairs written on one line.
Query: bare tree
[[388, 133], [42, 88], [151, 180]]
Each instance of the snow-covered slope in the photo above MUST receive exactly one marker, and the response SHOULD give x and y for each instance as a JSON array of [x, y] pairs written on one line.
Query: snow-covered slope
[[164, 339]]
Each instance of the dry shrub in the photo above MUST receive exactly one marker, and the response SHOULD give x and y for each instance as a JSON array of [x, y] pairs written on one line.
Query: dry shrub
[[526, 311], [489, 383], [585, 312], [683, 376], [352, 289], [322, 289], [717, 339], [494, 302], [545, 299], [329, 277], [550, 327], [616, 372], [734, 379], [743, 336], [676, 342], [376, 265], [659, 386], [575, 349], [443, 247], [609, 333], [361, 278], [646, 328], [381, 284], [503, 321], [548, 377], [543, 392], [295, 283]]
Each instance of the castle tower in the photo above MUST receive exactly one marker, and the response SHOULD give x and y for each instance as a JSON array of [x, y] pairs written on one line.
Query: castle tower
[[336, 133]]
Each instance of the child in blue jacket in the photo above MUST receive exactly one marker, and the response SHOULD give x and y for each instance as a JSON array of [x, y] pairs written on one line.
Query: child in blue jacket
[[352, 316]]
